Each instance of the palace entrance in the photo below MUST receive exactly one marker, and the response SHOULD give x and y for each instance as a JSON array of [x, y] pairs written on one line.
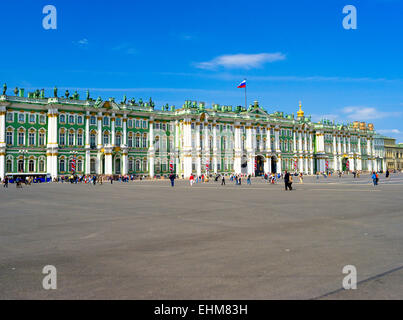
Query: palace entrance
[[273, 164], [244, 165], [259, 160]]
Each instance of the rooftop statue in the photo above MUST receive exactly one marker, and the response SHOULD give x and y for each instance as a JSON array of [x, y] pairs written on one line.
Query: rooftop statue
[[55, 92], [67, 93], [76, 96], [4, 89], [132, 101], [124, 99], [16, 91], [88, 95], [42, 93], [151, 103], [37, 93], [141, 102], [99, 100]]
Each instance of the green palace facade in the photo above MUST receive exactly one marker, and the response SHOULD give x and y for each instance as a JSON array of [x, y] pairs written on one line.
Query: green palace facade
[[42, 135]]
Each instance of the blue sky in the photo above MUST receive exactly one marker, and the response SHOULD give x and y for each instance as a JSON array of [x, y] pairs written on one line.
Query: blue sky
[[201, 50]]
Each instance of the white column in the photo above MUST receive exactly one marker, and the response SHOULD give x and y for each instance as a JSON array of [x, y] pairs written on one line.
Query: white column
[[124, 142], [215, 147], [335, 159], [187, 148], [294, 144], [268, 139], [237, 149], [2, 141], [52, 146], [108, 160], [249, 150], [177, 147], [87, 144], [99, 136], [113, 129], [369, 155], [198, 150], [124, 161], [359, 158], [151, 151]]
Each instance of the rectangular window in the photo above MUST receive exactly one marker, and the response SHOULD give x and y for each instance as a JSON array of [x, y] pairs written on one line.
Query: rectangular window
[[118, 122], [42, 119], [93, 120], [80, 139], [31, 138], [71, 119], [21, 137], [21, 117], [106, 121], [32, 118], [137, 124], [9, 137], [61, 139], [144, 124], [79, 120], [41, 139], [144, 142], [10, 116]]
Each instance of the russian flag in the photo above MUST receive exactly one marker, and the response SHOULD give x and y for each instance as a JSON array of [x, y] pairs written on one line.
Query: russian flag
[[242, 84]]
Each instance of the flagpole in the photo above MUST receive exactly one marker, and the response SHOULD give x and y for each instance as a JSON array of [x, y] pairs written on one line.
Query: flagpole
[[246, 105]]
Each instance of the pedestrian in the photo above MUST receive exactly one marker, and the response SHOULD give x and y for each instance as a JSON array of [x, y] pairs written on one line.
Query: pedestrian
[[248, 180], [5, 182], [223, 180], [387, 173], [287, 177], [172, 178], [191, 180], [301, 178], [374, 178]]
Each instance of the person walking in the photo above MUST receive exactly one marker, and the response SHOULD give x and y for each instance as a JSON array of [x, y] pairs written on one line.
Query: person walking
[[374, 180], [223, 180], [301, 178], [248, 180], [5, 182], [387, 174], [286, 180], [191, 180], [172, 178]]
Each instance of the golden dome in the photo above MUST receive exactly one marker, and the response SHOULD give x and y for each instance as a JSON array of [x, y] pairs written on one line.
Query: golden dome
[[300, 113]]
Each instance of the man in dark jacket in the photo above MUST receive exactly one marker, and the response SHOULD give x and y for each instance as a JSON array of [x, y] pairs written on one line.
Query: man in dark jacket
[[286, 180]]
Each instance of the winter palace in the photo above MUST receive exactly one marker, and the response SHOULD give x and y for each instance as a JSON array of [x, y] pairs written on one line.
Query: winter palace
[[58, 135]]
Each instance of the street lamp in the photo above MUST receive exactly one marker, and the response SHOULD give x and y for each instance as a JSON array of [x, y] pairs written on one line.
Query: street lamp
[[23, 152]]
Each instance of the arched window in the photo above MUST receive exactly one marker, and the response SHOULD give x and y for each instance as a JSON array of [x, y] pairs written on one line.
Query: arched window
[[145, 165], [31, 165], [62, 165], [62, 118], [62, 138], [131, 165], [9, 165], [20, 165], [92, 165], [130, 140], [79, 165], [71, 138], [106, 137], [118, 139], [92, 140], [138, 163], [106, 121], [41, 165], [137, 142], [145, 141], [80, 138]]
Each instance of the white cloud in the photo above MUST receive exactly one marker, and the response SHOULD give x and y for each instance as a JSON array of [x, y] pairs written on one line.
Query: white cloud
[[82, 42], [241, 60], [387, 131], [126, 48], [361, 113]]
